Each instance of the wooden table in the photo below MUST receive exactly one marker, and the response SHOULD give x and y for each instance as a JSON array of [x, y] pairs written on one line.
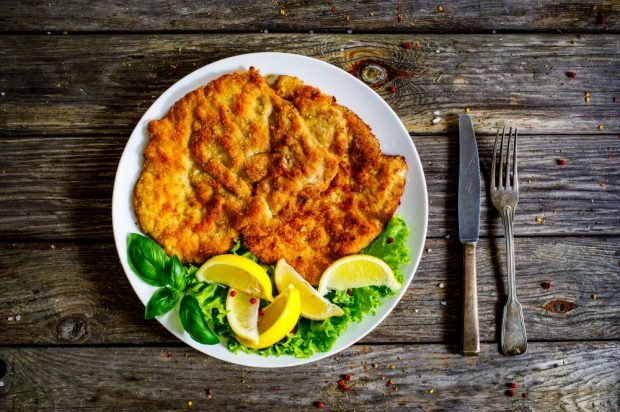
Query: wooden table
[[75, 78]]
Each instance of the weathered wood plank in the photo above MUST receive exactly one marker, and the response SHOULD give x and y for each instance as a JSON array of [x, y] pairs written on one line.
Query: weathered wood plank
[[79, 294], [76, 85], [61, 188], [376, 16], [567, 376]]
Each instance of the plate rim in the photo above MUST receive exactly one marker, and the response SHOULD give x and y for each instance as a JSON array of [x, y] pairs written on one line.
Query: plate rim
[[133, 278]]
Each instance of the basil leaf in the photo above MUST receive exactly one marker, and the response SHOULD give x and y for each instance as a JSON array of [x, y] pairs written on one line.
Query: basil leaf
[[147, 259], [194, 322], [176, 273], [162, 301]]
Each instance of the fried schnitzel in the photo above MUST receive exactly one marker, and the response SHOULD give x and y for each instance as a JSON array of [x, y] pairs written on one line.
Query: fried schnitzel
[[284, 166]]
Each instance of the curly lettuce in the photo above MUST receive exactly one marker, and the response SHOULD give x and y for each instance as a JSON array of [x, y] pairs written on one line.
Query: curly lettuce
[[391, 246]]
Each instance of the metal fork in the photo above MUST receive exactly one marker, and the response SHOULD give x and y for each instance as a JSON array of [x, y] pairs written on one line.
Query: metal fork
[[505, 195]]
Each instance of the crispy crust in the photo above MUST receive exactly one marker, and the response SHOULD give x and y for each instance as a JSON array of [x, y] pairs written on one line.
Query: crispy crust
[[295, 174]]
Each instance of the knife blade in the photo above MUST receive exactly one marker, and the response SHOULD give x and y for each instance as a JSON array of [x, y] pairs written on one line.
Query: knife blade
[[469, 231]]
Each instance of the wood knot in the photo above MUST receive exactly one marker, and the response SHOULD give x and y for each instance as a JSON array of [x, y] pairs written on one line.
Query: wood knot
[[373, 74], [72, 329], [559, 306]]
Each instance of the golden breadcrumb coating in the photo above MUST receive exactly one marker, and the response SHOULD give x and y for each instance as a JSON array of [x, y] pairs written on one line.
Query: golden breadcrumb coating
[[296, 175]]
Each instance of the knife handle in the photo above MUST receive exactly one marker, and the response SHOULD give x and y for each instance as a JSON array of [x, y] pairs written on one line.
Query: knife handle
[[471, 331]]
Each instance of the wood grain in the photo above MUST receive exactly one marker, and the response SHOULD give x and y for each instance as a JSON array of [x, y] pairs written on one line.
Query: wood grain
[[570, 376], [382, 16], [91, 84], [74, 294], [61, 188], [75, 78]]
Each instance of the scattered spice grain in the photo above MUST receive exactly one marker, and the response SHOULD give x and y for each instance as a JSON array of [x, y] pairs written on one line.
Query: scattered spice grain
[[343, 386]]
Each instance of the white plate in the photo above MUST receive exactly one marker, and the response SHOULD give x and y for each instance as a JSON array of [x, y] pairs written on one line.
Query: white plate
[[350, 92]]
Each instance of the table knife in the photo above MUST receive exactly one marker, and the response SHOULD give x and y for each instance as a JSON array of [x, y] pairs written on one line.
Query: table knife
[[469, 231]]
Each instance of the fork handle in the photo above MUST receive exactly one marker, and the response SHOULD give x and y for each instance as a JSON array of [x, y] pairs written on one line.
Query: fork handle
[[471, 331], [513, 336]]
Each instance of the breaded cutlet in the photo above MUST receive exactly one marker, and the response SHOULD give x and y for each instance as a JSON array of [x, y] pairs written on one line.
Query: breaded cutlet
[[282, 166]]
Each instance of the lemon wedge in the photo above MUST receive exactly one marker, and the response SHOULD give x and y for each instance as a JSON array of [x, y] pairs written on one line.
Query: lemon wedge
[[237, 272], [313, 305], [356, 271], [243, 314], [278, 319]]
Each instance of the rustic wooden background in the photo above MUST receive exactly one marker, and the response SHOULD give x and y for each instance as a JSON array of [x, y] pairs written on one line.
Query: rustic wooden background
[[75, 77]]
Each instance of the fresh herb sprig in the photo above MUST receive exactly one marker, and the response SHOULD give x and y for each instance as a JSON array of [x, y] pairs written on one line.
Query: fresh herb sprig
[[147, 259]]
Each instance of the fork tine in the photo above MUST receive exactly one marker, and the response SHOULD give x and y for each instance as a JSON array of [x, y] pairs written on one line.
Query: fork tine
[[494, 161], [515, 181], [502, 157], [507, 184]]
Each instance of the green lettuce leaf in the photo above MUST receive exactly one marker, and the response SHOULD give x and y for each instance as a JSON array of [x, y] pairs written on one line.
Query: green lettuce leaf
[[391, 246]]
